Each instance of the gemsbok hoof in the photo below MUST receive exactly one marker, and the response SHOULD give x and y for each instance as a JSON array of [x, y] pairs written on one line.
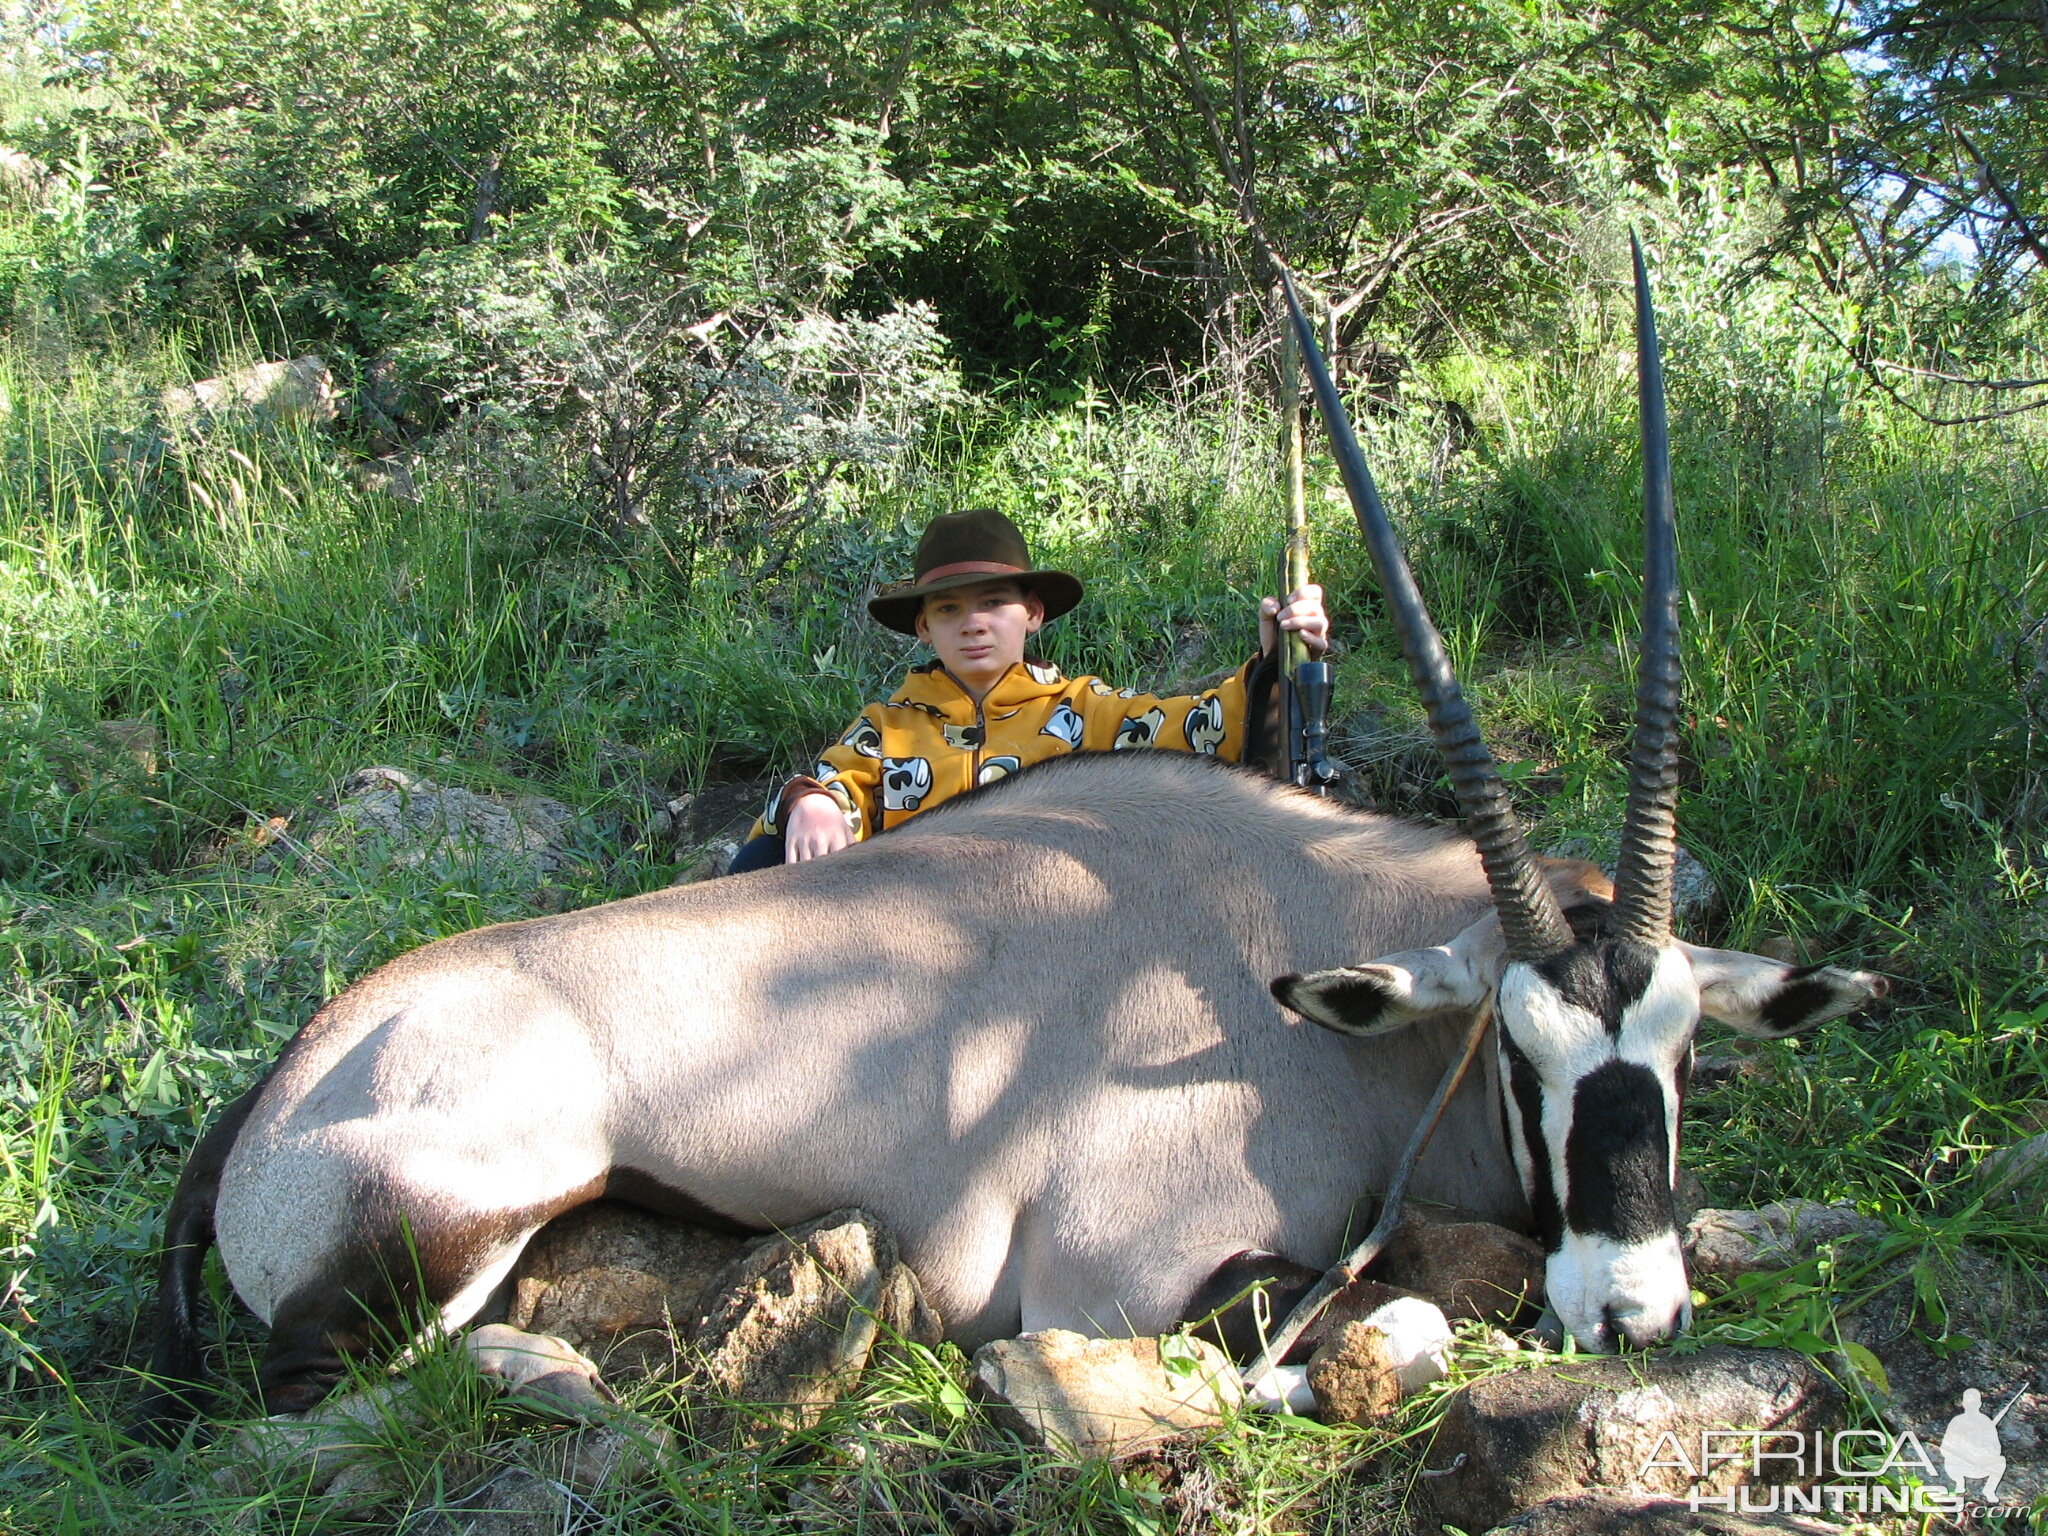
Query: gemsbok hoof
[[540, 1367]]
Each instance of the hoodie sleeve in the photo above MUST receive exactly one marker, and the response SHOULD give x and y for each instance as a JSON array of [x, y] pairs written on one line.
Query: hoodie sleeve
[[850, 771], [1212, 723]]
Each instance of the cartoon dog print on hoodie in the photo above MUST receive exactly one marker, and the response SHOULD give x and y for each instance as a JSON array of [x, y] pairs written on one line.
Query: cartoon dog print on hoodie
[[1204, 726], [864, 738], [1139, 730], [905, 782], [1066, 724]]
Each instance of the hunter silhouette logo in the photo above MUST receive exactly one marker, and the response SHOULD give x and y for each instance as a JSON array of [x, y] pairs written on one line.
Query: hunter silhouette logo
[[1848, 1471], [1970, 1446]]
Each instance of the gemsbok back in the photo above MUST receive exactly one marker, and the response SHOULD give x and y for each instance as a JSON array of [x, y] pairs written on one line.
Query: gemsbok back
[[1032, 1031]]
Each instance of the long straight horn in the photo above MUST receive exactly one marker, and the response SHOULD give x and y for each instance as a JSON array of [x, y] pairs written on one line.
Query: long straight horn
[[1649, 848], [1530, 918]]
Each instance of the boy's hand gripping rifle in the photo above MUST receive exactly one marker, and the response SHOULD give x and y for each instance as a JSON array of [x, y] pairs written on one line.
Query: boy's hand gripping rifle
[[1304, 682]]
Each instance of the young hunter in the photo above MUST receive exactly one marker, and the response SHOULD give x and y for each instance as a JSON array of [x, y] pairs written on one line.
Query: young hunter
[[979, 710]]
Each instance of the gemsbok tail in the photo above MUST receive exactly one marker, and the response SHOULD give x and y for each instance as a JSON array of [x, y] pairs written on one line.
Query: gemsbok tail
[[176, 1394]]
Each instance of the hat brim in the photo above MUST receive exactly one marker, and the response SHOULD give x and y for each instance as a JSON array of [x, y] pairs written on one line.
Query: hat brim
[[897, 609]]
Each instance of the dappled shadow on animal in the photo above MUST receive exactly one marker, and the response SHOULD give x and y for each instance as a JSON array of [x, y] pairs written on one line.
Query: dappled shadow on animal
[[1595, 1009], [1031, 1032]]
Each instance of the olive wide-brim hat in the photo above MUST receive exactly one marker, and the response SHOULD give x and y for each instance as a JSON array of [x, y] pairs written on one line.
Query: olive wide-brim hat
[[963, 549]]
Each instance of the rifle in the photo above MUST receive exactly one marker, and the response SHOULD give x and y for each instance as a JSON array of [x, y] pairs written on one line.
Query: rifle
[[1304, 683]]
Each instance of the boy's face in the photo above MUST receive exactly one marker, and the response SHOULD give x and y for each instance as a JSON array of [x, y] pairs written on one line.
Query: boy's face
[[979, 631]]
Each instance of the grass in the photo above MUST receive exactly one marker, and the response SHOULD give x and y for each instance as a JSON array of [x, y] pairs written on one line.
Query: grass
[[1863, 783]]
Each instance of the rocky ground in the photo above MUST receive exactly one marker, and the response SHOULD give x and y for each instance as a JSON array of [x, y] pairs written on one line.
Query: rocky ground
[[762, 1335]]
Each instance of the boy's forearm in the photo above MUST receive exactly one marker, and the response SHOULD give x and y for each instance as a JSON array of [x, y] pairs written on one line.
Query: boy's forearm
[[801, 787]]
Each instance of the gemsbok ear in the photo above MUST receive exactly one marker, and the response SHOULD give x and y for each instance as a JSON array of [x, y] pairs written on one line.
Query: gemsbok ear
[[1771, 1000], [1396, 990]]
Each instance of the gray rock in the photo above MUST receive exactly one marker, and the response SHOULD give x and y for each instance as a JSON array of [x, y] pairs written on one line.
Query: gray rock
[[1689, 1198], [711, 864], [388, 815], [22, 178], [540, 1489], [879, 1478], [268, 394], [1992, 1332], [1695, 899], [789, 1326], [1471, 1269], [903, 1316], [137, 740], [617, 1451], [335, 1448], [1101, 1398], [1514, 1440], [2018, 1173], [619, 1282], [389, 476], [516, 1502], [1712, 1069], [1732, 1243], [1613, 1514]]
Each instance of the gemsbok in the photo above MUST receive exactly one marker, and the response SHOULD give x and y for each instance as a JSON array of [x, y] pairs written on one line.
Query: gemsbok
[[1031, 1031]]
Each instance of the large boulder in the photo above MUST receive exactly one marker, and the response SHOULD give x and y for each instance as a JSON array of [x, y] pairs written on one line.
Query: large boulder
[[619, 1283], [1629, 1424], [1099, 1398], [790, 1322]]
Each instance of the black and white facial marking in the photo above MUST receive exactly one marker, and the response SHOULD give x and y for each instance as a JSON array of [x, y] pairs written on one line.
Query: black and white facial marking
[[1606, 1029], [1593, 1046], [1602, 1028]]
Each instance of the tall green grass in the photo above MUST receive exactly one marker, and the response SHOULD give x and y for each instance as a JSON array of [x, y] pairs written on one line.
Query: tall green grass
[[1861, 776]]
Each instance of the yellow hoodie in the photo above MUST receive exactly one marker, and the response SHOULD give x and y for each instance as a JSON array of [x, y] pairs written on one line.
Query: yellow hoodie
[[930, 741]]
